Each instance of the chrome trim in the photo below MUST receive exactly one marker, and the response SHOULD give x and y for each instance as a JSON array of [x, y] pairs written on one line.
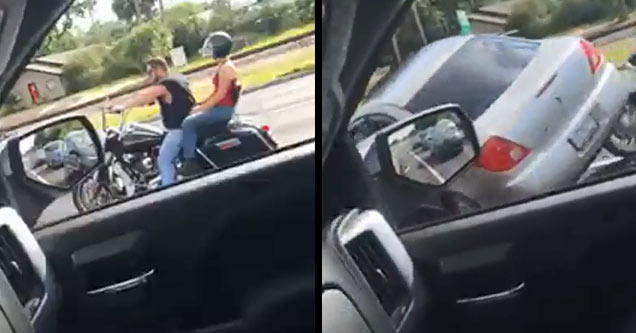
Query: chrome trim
[[123, 286], [207, 159], [492, 297]]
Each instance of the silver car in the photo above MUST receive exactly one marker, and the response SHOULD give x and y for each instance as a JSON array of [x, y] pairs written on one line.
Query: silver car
[[542, 109]]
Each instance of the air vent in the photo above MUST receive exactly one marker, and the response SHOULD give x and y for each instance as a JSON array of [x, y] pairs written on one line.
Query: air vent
[[381, 273], [18, 269]]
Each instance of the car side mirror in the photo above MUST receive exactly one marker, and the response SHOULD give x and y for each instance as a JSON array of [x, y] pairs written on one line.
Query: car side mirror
[[58, 154], [429, 148]]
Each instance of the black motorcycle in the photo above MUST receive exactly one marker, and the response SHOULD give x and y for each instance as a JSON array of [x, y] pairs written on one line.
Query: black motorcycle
[[132, 151]]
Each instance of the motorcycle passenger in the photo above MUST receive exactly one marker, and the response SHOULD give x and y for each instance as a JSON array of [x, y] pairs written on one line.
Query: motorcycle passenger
[[173, 94], [218, 107]]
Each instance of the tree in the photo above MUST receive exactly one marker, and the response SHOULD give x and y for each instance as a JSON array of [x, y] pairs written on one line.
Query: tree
[[187, 29], [59, 38], [106, 33], [222, 17], [129, 10], [621, 10]]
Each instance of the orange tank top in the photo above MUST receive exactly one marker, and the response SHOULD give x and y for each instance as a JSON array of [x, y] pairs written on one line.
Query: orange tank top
[[228, 99]]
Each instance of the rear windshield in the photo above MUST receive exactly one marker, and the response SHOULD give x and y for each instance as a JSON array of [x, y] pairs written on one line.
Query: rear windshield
[[476, 75]]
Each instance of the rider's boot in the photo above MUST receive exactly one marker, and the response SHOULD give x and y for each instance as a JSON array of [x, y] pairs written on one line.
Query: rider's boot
[[190, 168]]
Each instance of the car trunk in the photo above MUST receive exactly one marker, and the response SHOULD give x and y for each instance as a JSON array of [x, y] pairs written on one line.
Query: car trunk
[[544, 99]]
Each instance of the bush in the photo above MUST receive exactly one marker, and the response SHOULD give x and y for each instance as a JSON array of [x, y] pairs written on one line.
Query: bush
[[85, 70], [528, 13], [576, 12], [539, 18], [306, 10], [11, 104], [106, 33]]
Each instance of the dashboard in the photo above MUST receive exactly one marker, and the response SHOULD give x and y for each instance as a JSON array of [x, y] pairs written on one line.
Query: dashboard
[[28, 294], [368, 280]]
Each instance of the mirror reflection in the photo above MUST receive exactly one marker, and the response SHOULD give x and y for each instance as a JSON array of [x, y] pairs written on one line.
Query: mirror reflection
[[58, 155], [431, 149]]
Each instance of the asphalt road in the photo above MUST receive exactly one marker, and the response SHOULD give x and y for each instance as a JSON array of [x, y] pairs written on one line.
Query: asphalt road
[[287, 108]]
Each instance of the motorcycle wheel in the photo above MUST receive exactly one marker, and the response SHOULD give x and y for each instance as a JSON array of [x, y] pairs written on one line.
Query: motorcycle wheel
[[622, 139], [90, 194]]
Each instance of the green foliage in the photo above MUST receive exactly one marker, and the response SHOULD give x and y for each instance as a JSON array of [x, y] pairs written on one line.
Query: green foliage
[[59, 43], [121, 48], [11, 104], [222, 16], [100, 64], [106, 33], [540, 18], [125, 9], [306, 10], [128, 56], [187, 29], [576, 12], [61, 38], [86, 69]]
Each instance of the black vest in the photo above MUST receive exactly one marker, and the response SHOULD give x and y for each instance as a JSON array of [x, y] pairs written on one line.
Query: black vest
[[174, 113]]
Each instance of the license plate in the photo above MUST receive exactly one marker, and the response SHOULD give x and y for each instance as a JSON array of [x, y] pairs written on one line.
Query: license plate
[[582, 135]]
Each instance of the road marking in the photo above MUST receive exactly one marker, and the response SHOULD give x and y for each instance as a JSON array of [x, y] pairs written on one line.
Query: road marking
[[440, 179], [48, 108]]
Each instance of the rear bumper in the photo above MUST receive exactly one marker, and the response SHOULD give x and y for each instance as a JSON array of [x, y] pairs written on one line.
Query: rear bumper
[[560, 164]]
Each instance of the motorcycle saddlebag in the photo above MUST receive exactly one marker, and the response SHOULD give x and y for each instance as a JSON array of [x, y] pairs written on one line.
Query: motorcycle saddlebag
[[234, 145]]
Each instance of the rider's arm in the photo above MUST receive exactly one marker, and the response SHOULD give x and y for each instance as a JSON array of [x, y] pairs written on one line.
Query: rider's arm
[[145, 96], [225, 79]]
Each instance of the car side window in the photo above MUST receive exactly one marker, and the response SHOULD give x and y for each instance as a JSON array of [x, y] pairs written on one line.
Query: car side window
[[366, 126], [269, 107]]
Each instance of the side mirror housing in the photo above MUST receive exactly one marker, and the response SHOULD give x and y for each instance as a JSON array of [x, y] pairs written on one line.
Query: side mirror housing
[[429, 148]]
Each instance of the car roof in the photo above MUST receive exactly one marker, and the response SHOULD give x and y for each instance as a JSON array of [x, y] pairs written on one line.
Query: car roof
[[416, 71]]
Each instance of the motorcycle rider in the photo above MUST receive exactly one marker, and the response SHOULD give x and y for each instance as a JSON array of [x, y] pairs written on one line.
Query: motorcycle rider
[[175, 100], [219, 106]]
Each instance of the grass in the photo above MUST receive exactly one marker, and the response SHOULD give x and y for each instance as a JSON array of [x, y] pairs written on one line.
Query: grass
[[618, 52], [250, 76]]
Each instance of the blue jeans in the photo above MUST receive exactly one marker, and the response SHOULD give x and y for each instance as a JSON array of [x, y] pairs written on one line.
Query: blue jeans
[[216, 114], [168, 152]]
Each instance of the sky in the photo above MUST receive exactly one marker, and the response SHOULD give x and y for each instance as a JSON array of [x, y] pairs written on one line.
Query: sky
[[103, 11]]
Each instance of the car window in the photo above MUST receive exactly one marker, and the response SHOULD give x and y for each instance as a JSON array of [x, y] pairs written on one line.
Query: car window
[[366, 126], [565, 115], [99, 51], [476, 74]]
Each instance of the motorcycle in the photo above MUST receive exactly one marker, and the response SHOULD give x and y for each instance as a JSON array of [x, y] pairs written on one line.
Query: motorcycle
[[132, 150], [622, 140]]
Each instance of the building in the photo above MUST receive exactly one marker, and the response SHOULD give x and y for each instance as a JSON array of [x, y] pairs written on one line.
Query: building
[[41, 80], [492, 18]]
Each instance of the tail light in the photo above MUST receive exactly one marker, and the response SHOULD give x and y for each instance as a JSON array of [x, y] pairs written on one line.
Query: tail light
[[265, 128], [499, 154], [594, 57]]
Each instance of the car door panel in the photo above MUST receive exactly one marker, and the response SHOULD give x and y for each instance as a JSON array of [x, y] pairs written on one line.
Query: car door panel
[[565, 249], [203, 240]]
